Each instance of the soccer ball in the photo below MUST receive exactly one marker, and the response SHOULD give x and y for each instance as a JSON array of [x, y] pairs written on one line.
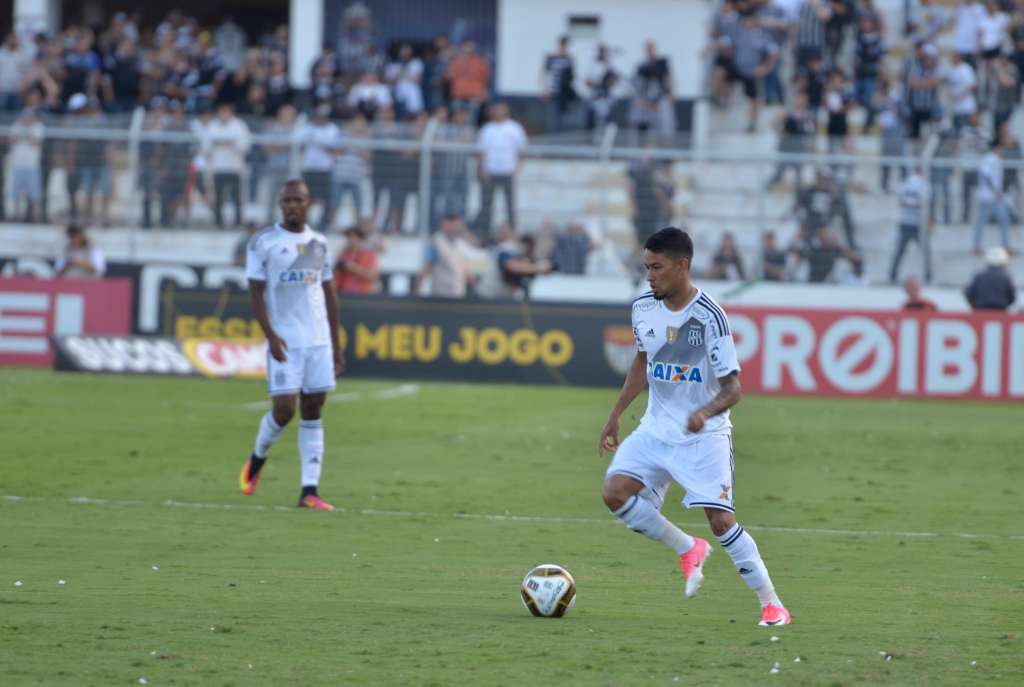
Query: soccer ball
[[548, 591]]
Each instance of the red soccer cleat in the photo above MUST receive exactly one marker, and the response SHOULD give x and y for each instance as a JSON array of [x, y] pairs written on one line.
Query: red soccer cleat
[[772, 615], [692, 565], [314, 502], [246, 481]]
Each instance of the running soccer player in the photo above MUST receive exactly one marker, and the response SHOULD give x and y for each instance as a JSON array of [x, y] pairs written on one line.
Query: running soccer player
[[292, 296], [685, 354]]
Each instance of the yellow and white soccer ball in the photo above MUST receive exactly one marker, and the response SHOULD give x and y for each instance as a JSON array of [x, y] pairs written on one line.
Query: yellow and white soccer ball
[[548, 591]]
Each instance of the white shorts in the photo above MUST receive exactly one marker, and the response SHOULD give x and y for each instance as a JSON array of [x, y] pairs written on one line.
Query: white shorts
[[703, 467], [309, 370]]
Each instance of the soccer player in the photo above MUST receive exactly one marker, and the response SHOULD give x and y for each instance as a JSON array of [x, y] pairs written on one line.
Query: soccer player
[[292, 296], [685, 354]]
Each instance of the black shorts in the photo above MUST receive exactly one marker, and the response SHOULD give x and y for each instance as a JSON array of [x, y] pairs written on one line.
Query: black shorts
[[726, 63], [319, 185], [749, 86], [989, 55]]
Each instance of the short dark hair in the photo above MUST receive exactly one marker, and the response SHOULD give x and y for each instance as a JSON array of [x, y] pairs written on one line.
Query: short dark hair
[[670, 241]]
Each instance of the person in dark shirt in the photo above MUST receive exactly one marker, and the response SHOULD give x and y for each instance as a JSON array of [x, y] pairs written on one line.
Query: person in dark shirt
[[571, 249], [915, 300], [796, 130], [992, 288], [870, 52], [773, 259], [557, 87], [821, 250], [725, 257], [121, 79]]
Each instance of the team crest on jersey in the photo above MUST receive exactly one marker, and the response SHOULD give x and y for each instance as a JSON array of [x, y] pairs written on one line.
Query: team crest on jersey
[[667, 372], [671, 334], [695, 336]]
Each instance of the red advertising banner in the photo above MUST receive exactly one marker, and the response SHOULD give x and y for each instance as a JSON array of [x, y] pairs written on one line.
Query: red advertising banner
[[896, 353], [33, 310]]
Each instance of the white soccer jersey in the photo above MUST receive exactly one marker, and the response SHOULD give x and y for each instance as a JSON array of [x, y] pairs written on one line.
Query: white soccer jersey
[[294, 265], [687, 352]]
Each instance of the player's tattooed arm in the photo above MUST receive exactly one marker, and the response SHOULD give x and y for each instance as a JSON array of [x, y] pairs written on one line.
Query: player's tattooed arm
[[728, 396]]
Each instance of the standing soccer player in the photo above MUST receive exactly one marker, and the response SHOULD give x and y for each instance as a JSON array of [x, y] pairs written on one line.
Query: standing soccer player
[[292, 296], [686, 354]]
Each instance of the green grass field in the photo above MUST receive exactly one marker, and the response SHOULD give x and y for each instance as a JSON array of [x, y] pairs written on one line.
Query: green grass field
[[411, 584]]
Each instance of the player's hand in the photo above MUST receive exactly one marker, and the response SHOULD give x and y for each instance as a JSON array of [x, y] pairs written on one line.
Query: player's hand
[[696, 421], [609, 436], [339, 363], [278, 348]]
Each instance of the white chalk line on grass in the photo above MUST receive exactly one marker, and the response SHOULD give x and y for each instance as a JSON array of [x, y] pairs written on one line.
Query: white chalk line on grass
[[350, 396], [494, 517]]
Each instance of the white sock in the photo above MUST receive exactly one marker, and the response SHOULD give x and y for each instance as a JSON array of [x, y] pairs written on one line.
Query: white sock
[[311, 450], [268, 434], [742, 549], [642, 516]]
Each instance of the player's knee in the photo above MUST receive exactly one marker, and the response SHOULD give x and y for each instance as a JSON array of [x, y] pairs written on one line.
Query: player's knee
[[721, 521], [614, 495], [283, 412], [311, 407]]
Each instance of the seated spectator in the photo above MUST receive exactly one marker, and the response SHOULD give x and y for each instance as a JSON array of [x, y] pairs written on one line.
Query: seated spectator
[[445, 264], [369, 96], [773, 258], [405, 75], [81, 259], [356, 269], [915, 298], [727, 256], [821, 249], [571, 249], [754, 55], [517, 264], [654, 102], [992, 288]]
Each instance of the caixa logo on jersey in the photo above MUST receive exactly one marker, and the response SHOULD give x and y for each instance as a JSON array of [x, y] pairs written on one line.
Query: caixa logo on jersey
[[300, 277], [667, 372]]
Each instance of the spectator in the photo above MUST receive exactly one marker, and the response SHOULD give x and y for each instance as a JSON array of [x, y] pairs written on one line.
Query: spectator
[[927, 21], [654, 102], [1011, 151], [724, 23], [238, 257], [726, 262], [122, 78], [81, 68], [404, 181], [15, 60], [279, 156], [501, 143], [152, 162], [991, 199], [838, 103], [941, 171], [915, 297], [773, 259], [810, 31], [992, 32], [406, 75], [386, 165], [821, 250], [278, 87], [572, 247], [992, 288], [601, 81], [369, 96], [25, 160], [923, 78], [446, 265], [967, 29], [870, 53], [835, 29], [350, 168], [88, 160], [972, 144], [320, 139], [517, 264], [468, 76], [435, 73], [775, 20], [557, 78], [230, 40], [665, 185], [81, 259], [356, 269], [225, 143], [796, 129], [1006, 89], [913, 223], [646, 195], [961, 85], [819, 205], [812, 80], [754, 57], [450, 185]]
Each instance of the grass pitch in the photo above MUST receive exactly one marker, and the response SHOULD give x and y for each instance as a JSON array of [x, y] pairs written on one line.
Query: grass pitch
[[176, 578]]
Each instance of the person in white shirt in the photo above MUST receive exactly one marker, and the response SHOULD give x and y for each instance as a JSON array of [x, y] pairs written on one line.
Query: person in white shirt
[[25, 159], [369, 95], [992, 32], [81, 259], [446, 265], [960, 88], [405, 75], [966, 28], [292, 294], [15, 60], [990, 201], [914, 205], [320, 139], [687, 359], [601, 80], [501, 144], [224, 145]]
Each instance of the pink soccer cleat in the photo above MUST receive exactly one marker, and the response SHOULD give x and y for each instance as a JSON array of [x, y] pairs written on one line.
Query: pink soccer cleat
[[772, 615], [314, 502], [692, 565]]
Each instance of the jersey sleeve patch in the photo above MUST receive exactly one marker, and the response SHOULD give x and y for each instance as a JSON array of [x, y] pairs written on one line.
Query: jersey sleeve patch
[[722, 354]]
